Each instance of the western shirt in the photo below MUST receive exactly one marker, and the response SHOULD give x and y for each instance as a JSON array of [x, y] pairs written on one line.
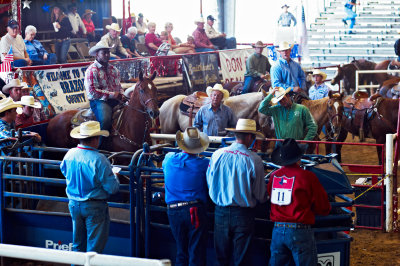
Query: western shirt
[[235, 177], [115, 44], [76, 23], [88, 174], [286, 19], [17, 43], [214, 123], [5, 132], [89, 26], [200, 39], [185, 177], [318, 92], [257, 65], [295, 122], [211, 32], [35, 49], [285, 75]]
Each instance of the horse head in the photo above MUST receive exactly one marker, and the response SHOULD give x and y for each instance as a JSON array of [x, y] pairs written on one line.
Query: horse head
[[338, 75], [335, 112], [145, 95]]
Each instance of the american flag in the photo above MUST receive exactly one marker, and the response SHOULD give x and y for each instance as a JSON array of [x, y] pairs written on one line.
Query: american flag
[[303, 47], [8, 58]]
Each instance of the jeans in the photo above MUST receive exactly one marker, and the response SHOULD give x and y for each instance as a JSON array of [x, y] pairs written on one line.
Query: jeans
[[351, 15], [51, 60], [233, 233], [224, 43], [90, 225], [62, 51], [199, 50], [103, 112], [289, 244], [191, 243], [19, 63], [249, 83]]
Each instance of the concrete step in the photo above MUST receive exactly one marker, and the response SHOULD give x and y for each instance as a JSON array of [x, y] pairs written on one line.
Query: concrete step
[[371, 15], [367, 10], [369, 19], [352, 50], [359, 31], [353, 44], [348, 58], [359, 25]]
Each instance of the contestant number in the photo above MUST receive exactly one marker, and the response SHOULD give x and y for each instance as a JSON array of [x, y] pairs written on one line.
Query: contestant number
[[281, 196]]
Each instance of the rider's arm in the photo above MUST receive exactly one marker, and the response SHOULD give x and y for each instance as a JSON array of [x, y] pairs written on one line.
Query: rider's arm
[[294, 19], [302, 79], [276, 76]]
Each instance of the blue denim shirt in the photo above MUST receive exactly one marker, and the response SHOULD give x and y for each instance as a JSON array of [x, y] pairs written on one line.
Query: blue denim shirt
[[185, 177], [286, 18], [35, 49], [287, 75], [318, 92], [214, 123], [235, 177], [88, 174]]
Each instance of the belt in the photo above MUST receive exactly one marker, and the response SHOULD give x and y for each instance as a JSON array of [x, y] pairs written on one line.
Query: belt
[[181, 204], [61, 40], [96, 199], [292, 225]]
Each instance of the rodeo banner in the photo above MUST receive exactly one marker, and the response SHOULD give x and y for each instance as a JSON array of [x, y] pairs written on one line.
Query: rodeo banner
[[200, 71]]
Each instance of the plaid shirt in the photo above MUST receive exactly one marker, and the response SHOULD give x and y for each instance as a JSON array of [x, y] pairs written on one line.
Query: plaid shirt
[[5, 132], [99, 82]]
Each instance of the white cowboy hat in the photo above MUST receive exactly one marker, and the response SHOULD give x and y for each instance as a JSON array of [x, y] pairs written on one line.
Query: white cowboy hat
[[14, 83], [319, 72], [217, 87], [113, 26], [246, 126], [199, 20], [7, 104], [259, 44], [29, 101], [279, 94], [25, 86], [98, 46], [192, 140], [284, 46], [88, 129]]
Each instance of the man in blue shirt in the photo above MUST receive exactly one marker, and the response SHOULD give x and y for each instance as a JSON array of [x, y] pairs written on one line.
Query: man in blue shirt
[[319, 90], [213, 118], [186, 196], [286, 18], [35, 49], [351, 15], [286, 72], [236, 184], [90, 181]]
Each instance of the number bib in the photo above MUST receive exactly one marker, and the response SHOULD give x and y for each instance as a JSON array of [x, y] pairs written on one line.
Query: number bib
[[282, 187]]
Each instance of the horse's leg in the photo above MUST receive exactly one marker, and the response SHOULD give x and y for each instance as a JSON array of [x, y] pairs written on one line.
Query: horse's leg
[[380, 140], [337, 148]]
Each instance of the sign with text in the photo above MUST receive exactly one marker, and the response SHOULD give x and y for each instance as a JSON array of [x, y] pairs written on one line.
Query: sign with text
[[233, 64], [201, 71]]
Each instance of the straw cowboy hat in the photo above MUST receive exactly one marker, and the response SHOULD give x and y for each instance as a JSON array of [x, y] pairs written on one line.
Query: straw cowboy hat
[[14, 83], [97, 47], [288, 152], [7, 104], [88, 129], [88, 11], [284, 46], [199, 20], [218, 87], [113, 26], [319, 72], [259, 44], [192, 140], [246, 126], [279, 94], [29, 101]]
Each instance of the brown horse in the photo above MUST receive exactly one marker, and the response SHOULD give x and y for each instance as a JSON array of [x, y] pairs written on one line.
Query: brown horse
[[135, 121]]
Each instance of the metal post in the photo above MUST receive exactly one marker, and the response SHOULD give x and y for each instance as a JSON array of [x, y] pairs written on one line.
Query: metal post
[[395, 165], [388, 182], [356, 80]]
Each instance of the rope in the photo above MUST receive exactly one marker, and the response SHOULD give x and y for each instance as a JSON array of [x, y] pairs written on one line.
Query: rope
[[371, 187]]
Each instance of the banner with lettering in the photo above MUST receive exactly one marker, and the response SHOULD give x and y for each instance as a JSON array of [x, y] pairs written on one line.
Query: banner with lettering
[[200, 71], [233, 64]]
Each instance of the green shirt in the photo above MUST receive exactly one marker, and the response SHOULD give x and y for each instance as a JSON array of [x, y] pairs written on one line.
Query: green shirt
[[294, 122], [257, 65]]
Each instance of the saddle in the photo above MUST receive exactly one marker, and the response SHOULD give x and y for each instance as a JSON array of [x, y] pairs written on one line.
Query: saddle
[[87, 114], [191, 104], [257, 86]]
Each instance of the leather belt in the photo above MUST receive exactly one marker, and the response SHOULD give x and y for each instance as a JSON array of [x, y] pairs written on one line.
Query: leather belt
[[181, 204], [292, 225], [61, 40], [96, 200]]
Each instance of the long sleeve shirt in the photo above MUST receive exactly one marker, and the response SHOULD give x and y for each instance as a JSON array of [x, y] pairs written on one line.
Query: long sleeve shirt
[[88, 174], [65, 30], [35, 49], [235, 177], [100, 81], [211, 32], [286, 19], [295, 122], [115, 44], [200, 39], [285, 75], [17, 43], [76, 23], [5, 132], [318, 92], [257, 65], [214, 123], [185, 177]]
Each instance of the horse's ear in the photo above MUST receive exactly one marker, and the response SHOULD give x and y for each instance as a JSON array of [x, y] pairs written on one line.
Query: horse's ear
[[342, 95], [330, 93], [154, 75], [141, 75]]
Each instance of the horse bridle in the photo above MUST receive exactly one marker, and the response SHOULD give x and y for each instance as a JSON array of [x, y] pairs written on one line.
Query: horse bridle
[[331, 133]]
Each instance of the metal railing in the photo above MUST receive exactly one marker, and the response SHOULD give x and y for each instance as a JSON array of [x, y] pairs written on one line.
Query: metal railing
[[358, 72]]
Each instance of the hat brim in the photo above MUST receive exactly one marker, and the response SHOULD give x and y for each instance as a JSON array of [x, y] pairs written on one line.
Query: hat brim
[[259, 46], [258, 134], [76, 133], [6, 88], [85, 14], [280, 97], [323, 75], [277, 159], [209, 90], [284, 49], [203, 142], [94, 49], [36, 105], [108, 27], [11, 106]]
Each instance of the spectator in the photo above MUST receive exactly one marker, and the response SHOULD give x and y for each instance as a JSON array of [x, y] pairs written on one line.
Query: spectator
[[78, 28], [286, 18], [165, 47], [215, 117], [35, 49], [89, 25], [132, 21], [291, 120], [13, 89], [62, 28], [186, 196], [201, 40], [351, 15], [128, 42], [141, 28], [25, 115], [111, 39], [257, 66], [182, 48], [90, 181], [151, 40], [296, 197], [217, 38], [319, 90], [235, 179], [14, 40]]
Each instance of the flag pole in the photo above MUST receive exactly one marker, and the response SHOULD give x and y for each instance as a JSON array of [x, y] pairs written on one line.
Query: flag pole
[[201, 8]]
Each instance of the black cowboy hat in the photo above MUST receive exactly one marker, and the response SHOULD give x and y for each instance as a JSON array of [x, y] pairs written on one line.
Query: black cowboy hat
[[289, 152], [285, 5]]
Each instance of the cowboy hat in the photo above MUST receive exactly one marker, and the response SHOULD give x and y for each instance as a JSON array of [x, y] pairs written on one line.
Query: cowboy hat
[[287, 153], [29, 101], [246, 126], [87, 12], [97, 47], [14, 83], [279, 94], [285, 5], [113, 26], [259, 44], [88, 129], [284, 46], [7, 104], [133, 15], [199, 20], [192, 140], [218, 87], [319, 72]]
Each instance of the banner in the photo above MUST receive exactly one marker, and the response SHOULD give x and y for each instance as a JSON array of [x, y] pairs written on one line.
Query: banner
[[201, 71]]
